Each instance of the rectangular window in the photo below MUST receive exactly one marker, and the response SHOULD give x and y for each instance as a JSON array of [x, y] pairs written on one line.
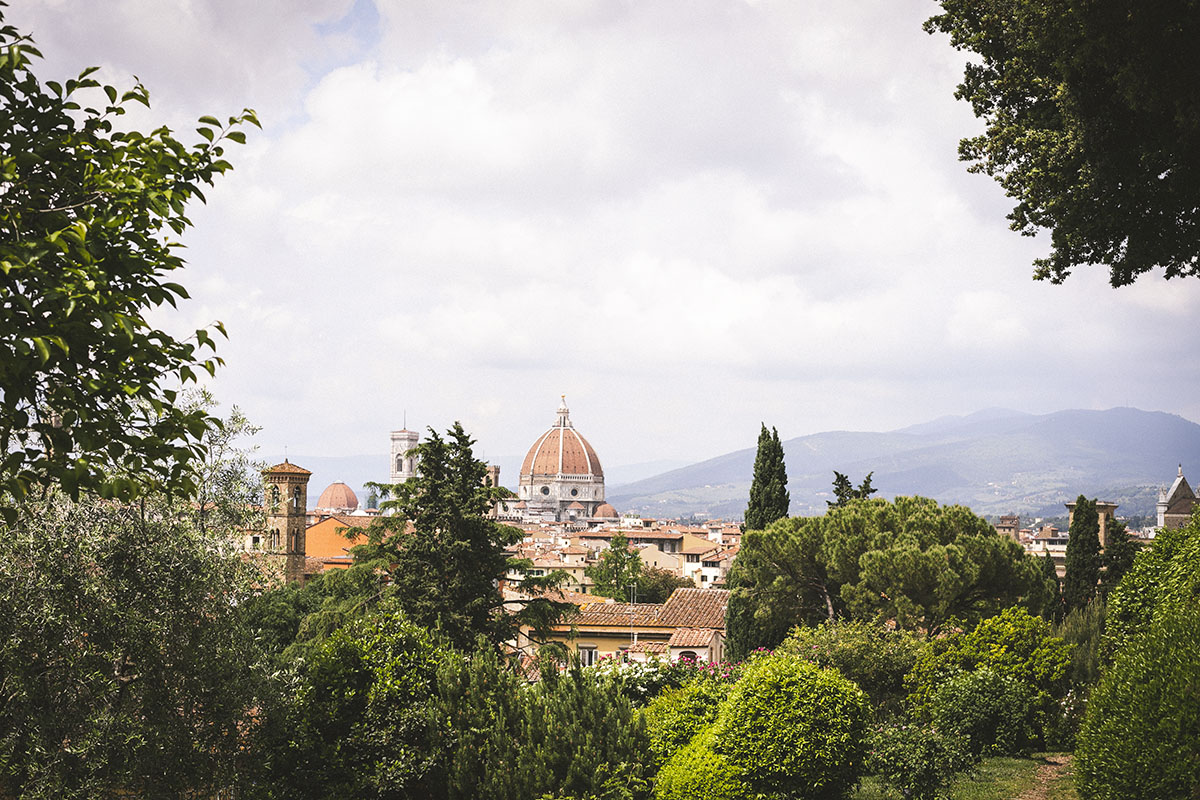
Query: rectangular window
[[693, 558], [587, 656]]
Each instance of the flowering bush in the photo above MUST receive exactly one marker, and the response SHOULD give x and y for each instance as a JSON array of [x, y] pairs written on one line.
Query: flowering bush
[[915, 760], [641, 682]]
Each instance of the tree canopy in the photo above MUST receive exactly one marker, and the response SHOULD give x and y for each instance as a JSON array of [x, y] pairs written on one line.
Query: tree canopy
[[618, 569], [125, 667], [1092, 114], [448, 566], [87, 212], [911, 561], [769, 497], [844, 491]]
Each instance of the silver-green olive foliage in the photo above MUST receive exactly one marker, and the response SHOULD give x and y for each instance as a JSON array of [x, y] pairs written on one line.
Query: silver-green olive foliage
[[1092, 113], [88, 387], [125, 665]]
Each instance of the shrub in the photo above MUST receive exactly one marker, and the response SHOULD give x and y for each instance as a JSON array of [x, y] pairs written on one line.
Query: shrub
[[994, 714], [359, 725], [1164, 572], [1014, 643], [677, 715], [1142, 728], [875, 658], [917, 761], [697, 772], [642, 682], [1083, 629], [793, 728]]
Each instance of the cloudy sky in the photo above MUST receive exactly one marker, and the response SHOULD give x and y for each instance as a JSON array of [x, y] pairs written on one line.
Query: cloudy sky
[[689, 217]]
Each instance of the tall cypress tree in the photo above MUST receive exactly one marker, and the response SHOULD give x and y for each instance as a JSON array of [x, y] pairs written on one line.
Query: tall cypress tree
[[1118, 556], [1083, 555], [769, 497], [1052, 607]]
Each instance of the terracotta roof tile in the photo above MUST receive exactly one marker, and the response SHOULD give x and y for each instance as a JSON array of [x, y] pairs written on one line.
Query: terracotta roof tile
[[288, 467], [695, 608], [685, 608], [692, 637], [617, 614], [647, 647]]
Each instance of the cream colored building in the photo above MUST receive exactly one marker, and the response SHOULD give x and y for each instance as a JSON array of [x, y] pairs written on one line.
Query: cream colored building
[[691, 624]]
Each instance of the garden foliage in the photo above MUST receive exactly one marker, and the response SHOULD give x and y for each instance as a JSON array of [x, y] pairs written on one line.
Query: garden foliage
[[917, 761], [125, 668], [787, 728], [1141, 734], [990, 712], [876, 658]]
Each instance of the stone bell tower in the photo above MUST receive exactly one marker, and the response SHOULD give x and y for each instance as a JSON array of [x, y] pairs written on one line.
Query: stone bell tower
[[404, 460], [286, 488]]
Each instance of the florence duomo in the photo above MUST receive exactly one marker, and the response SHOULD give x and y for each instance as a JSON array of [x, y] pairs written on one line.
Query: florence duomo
[[561, 476], [560, 479]]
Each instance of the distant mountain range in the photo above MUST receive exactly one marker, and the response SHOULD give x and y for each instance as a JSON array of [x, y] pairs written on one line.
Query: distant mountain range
[[995, 461]]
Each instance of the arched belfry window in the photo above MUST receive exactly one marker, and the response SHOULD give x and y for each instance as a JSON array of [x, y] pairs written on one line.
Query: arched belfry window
[[296, 498], [399, 463], [274, 497]]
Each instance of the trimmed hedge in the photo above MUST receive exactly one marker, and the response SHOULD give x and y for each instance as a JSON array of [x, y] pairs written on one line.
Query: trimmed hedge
[[698, 772], [675, 717], [794, 729]]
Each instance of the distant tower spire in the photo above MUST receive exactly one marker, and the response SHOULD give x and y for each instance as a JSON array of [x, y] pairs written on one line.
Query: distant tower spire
[[564, 419]]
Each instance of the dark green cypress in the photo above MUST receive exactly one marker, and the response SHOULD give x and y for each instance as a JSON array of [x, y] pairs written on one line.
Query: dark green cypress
[[769, 497], [1083, 555], [1053, 606], [1119, 554]]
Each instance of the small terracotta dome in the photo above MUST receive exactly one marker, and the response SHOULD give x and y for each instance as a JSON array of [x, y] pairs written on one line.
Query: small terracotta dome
[[338, 497], [605, 511]]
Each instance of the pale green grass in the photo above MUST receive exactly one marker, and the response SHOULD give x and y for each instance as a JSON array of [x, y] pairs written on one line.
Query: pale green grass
[[994, 779]]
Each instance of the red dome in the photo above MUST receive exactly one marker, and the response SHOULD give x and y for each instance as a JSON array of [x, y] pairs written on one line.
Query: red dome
[[338, 497], [605, 511], [561, 451]]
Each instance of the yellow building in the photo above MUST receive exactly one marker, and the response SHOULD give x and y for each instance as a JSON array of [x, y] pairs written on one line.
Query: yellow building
[[691, 624]]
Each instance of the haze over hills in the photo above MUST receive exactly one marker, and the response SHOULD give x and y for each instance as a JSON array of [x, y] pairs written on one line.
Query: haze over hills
[[995, 461]]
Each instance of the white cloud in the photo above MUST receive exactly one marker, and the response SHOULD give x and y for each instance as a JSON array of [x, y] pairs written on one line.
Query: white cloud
[[689, 217]]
